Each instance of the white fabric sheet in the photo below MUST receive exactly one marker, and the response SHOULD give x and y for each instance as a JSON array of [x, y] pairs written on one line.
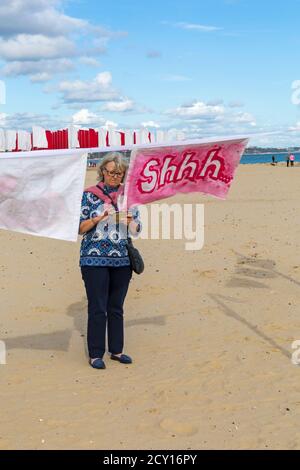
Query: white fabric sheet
[[2, 140], [24, 140], [41, 194], [10, 140], [73, 136], [39, 137], [102, 137]]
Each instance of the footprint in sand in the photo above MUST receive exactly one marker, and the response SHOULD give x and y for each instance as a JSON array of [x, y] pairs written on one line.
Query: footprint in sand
[[209, 273], [241, 282], [155, 289], [153, 410], [184, 429], [39, 309], [56, 423], [209, 311]]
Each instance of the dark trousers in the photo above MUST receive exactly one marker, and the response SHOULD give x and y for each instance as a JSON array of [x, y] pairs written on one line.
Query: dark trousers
[[106, 289]]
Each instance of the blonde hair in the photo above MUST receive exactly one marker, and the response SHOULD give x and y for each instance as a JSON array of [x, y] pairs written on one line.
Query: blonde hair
[[118, 159]]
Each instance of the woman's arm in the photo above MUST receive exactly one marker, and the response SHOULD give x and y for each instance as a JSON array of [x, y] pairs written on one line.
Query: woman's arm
[[90, 209], [89, 224]]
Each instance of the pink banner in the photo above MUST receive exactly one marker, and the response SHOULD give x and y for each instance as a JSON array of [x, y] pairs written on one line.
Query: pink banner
[[160, 172]]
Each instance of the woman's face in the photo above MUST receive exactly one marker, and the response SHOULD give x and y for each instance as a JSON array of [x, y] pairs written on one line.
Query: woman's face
[[112, 176]]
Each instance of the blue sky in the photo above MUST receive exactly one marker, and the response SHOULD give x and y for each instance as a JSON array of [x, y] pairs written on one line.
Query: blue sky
[[218, 67]]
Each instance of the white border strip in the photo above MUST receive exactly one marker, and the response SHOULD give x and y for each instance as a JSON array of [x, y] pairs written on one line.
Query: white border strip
[[119, 148]]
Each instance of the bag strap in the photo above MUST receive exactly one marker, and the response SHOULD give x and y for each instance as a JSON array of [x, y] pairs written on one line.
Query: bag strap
[[129, 241], [108, 195]]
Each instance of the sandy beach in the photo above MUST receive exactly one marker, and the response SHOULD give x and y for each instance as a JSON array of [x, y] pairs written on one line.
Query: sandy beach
[[210, 332]]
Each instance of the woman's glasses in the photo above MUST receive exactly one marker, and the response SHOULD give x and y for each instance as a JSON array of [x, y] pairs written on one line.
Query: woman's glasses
[[114, 174]]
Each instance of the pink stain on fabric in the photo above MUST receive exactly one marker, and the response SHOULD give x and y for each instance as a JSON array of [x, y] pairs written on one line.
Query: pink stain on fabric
[[7, 184]]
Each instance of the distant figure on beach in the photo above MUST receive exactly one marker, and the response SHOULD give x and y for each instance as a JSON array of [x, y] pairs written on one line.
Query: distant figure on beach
[[288, 160], [273, 160], [105, 265], [292, 159]]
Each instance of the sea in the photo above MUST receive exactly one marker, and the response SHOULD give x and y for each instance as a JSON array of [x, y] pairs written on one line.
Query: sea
[[267, 157]]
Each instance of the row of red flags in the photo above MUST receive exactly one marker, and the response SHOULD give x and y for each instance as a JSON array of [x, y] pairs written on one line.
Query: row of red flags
[[40, 139]]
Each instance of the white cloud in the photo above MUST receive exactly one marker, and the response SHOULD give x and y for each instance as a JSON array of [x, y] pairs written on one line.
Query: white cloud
[[295, 84], [84, 116], [246, 118], [215, 102], [295, 128], [27, 120], [197, 27], [3, 117], [42, 68], [197, 109], [36, 17], [40, 77], [98, 89], [119, 106], [45, 17], [110, 124], [150, 124], [235, 104], [90, 61], [176, 78], [104, 79], [37, 30], [33, 47], [200, 120], [295, 98], [275, 138]]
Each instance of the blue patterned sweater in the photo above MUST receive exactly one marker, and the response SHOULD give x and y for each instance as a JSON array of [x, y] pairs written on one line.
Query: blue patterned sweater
[[106, 243]]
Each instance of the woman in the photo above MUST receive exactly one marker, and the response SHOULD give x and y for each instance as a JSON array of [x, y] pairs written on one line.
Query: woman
[[104, 261]]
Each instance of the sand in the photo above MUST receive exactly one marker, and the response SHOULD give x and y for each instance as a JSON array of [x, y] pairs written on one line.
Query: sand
[[210, 332]]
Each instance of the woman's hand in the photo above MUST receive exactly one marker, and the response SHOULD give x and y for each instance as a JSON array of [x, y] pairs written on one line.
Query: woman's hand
[[127, 219], [100, 217], [133, 226]]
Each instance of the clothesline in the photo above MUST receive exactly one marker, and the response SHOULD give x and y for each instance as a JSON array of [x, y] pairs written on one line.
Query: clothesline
[[76, 137], [44, 199]]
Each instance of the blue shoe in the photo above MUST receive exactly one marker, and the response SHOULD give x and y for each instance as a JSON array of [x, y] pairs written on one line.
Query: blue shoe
[[97, 363], [124, 359]]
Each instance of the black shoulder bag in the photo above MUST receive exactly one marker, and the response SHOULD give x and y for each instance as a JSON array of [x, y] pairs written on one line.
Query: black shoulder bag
[[136, 260]]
